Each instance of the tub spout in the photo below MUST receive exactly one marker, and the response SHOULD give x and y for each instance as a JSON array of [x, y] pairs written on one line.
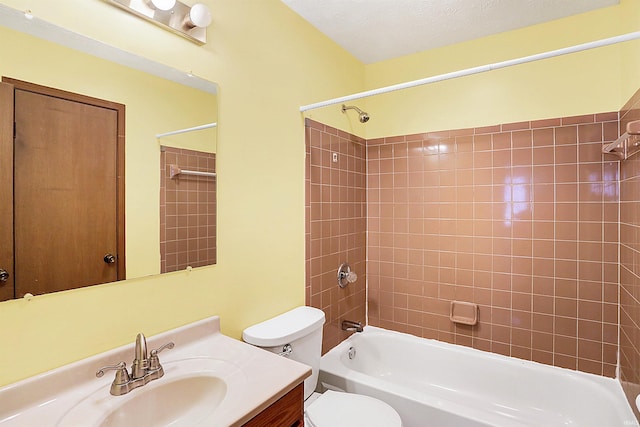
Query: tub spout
[[351, 326]]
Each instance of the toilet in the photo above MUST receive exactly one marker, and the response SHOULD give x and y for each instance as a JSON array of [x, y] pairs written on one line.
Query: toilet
[[297, 334]]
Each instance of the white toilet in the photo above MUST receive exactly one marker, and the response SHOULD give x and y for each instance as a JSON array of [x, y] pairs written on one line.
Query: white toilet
[[297, 334]]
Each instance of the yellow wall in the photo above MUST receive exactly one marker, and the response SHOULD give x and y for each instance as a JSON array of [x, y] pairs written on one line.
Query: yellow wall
[[630, 52], [598, 80], [268, 62]]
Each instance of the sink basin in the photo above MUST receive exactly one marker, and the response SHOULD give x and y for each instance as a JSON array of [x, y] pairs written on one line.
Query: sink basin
[[188, 394], [186, 401]]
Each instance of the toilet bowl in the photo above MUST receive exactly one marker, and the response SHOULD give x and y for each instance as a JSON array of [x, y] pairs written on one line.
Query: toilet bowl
[[297, 334], [337, 409]]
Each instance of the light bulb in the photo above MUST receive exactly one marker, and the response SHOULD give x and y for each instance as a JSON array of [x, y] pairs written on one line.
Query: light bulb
[[199, 16], [163, 4]]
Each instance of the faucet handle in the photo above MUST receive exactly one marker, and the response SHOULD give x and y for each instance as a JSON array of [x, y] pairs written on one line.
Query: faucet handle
[[154, 361], [122, 376], [169, 345]]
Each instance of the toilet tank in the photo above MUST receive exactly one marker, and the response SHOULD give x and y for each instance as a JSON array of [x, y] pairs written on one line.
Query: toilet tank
[[301, 328]]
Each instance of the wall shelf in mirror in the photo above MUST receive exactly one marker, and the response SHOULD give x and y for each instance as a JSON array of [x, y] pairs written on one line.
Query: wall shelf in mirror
[[175, 171]]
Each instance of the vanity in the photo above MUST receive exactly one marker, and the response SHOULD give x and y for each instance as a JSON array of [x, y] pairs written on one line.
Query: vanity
[[208, 379]]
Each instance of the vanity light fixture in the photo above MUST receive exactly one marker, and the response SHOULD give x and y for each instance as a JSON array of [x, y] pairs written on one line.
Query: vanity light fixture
[[163, 4], [190, 22]]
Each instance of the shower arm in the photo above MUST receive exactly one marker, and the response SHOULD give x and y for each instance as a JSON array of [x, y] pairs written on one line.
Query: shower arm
[[362, 115], [351, 107]]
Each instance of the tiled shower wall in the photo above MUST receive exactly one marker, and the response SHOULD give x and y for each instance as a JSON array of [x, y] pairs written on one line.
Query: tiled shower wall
[[630, 263], [335, 226], [187, 210], [520, 218]]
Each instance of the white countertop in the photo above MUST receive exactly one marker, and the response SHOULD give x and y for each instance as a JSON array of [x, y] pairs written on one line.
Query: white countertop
[[261, 378]]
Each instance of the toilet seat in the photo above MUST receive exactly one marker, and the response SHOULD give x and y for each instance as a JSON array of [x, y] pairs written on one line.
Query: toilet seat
[[335, 409]]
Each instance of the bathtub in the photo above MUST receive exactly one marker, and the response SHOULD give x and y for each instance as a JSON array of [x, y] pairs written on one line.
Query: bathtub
[[431, 383]]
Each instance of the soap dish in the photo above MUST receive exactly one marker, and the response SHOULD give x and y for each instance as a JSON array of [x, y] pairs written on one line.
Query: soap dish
[[465, 313]]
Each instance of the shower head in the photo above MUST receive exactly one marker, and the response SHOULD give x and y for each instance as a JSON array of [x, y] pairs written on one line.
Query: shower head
[[364, 117]]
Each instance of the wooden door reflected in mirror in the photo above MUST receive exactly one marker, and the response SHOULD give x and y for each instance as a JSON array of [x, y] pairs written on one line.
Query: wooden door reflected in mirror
[[67, 188]]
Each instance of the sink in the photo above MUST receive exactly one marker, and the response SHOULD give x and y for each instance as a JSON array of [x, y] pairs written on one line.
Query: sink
[[186, 401], [188, 394]]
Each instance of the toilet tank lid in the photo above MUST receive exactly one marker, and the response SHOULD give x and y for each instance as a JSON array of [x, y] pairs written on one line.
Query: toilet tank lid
[[285, 328]]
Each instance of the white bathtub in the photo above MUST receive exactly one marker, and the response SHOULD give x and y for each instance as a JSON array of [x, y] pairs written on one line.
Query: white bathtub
[[431, 383]]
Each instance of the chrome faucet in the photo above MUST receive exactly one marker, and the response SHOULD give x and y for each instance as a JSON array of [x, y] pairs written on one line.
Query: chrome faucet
[[351, 326], [143, 369]]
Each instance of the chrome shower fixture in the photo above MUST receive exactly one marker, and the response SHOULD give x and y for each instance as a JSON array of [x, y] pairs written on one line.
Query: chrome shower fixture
[[364, 117], [345, 275]]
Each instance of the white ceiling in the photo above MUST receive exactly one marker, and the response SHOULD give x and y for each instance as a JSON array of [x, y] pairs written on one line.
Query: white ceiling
[[376, 30]]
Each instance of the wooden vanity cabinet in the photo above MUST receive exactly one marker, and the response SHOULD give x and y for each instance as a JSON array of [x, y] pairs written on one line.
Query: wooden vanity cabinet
[[288, 411]]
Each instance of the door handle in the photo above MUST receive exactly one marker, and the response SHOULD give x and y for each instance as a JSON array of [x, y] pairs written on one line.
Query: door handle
[[109, 259], [4, 275]]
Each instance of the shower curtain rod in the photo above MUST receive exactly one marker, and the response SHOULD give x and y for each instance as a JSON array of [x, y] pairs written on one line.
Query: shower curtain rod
[[176, 132], [477, 70]]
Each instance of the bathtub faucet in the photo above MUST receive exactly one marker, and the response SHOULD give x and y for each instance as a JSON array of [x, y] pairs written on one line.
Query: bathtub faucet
[[351, 326]]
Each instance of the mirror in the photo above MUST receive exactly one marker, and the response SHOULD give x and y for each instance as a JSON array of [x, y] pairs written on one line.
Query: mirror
[[158, 100]]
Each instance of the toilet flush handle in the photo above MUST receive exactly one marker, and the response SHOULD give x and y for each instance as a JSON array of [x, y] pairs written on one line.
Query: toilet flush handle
[[286, 350]]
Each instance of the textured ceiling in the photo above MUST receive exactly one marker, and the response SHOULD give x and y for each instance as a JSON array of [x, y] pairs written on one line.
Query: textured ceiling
[[376, 30]]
